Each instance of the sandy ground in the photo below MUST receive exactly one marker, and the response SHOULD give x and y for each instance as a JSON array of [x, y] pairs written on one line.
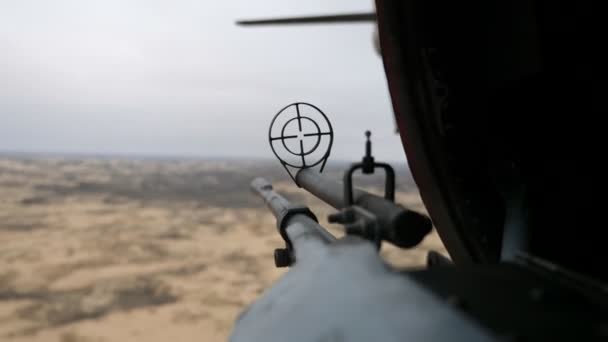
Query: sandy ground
[[125, 250]]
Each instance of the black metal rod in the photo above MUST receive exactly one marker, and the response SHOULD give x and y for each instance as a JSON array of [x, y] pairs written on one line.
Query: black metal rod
[[401, 226], [320, 19]]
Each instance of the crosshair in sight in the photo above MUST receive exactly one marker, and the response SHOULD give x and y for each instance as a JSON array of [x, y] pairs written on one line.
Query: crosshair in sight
[[301, 135]]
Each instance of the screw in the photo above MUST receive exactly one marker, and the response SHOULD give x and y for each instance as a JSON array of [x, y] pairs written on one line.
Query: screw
[[282, 257]]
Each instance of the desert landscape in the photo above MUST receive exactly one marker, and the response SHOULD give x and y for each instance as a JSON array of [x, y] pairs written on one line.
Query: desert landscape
[[134, 249]]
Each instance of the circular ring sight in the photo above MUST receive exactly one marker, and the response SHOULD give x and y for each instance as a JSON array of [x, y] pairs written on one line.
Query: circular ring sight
[[301, 137]]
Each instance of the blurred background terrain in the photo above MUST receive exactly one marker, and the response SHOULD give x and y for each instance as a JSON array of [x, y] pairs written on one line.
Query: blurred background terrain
[[123, 248], [118, 249]]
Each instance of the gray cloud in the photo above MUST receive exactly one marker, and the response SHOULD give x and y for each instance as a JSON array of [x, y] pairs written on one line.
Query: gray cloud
[[179, 78]]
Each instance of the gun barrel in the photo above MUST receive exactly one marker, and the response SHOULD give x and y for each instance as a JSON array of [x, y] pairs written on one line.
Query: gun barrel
[[402, 227], [293, 222], [277, 204]]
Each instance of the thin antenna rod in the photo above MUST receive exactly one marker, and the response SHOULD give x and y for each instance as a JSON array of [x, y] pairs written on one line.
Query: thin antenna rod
[[321, 19]]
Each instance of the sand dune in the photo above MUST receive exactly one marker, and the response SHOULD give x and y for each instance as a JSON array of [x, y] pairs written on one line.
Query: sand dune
[[121, 250]]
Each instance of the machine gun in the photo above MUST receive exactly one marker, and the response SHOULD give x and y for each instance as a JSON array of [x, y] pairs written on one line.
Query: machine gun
[[340, 289], [362, 214], [474, 91]]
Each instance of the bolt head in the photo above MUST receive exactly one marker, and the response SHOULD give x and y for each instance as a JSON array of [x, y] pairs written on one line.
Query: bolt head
[[282, 257]]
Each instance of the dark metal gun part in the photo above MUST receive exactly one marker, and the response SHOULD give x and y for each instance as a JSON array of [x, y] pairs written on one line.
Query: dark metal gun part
[[435, 259], [400, 226]]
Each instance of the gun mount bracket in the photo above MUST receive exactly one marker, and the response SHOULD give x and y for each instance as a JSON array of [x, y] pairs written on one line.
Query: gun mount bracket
[[360, 222], [368, 165]]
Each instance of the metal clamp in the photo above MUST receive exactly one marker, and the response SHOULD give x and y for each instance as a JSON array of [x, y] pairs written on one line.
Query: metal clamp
[[360, 222], [285, 257]]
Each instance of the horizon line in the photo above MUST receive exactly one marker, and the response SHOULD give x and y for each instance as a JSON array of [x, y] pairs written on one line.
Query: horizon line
[[152, 156]]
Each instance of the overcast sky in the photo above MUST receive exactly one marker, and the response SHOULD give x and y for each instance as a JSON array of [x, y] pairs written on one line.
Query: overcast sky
[[177, 77]]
